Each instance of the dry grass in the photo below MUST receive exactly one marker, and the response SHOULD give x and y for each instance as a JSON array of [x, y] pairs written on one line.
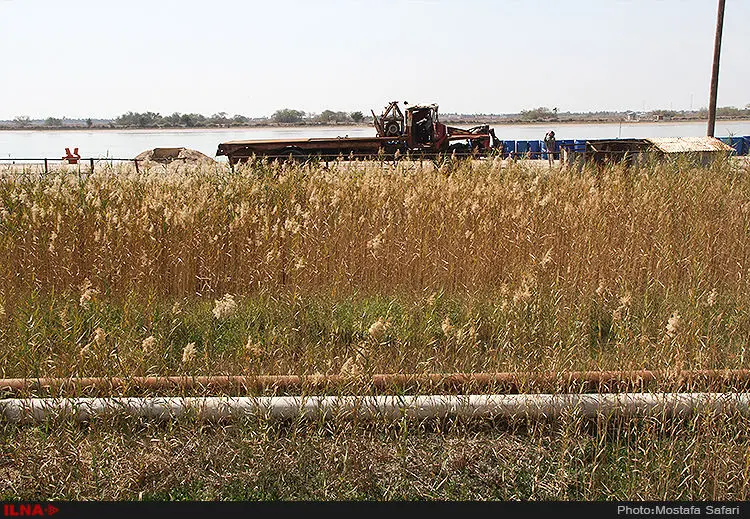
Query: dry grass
[[704, 458], [369, 267], [376, 229], [478, 268]]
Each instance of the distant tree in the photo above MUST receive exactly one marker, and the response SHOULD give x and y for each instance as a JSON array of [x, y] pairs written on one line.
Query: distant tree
[[89, 123], [665, 114], [357, 117], [53, 122], [22, 121], [139, 120], [192, 120], [127, 119], [219, 119], [287, 115], [329, 116], [326, 116], [541, 113], [173, 120], [240, 119], [728, 111]]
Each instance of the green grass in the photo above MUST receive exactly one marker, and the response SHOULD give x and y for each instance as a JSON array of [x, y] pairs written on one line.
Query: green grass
[[45, 334]]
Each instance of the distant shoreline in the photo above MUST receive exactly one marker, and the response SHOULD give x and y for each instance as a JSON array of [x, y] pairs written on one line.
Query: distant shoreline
[[352, 125]]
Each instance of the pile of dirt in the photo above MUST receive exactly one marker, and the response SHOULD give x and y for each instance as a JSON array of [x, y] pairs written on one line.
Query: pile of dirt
[[170, 155]]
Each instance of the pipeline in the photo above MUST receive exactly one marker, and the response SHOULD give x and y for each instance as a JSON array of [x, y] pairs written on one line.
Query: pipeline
[[580, 381], [531, 406]]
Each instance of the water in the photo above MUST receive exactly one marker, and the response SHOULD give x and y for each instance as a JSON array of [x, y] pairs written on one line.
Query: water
[[37, 144]]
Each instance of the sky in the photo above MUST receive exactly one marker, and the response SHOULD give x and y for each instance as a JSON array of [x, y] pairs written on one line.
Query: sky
[[102, 58]]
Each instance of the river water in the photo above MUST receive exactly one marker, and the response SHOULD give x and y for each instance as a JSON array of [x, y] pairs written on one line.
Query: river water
[[38, 144]]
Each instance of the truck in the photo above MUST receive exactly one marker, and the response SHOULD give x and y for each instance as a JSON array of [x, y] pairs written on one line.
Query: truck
[[415, 131]]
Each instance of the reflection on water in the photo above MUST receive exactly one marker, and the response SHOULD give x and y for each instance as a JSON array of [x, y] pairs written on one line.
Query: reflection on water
[[19, 144]]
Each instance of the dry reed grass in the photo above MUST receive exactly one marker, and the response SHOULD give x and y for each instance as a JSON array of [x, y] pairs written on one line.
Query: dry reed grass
[[376, 229], [373, 267]]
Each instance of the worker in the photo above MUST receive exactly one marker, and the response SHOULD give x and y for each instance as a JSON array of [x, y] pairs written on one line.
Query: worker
[[425, 129], [72, 158], [550, 143]]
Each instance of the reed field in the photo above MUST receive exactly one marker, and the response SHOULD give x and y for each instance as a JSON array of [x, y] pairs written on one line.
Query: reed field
[[359, 268]]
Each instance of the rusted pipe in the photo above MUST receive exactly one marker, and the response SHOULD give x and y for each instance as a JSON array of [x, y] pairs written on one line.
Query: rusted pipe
[[510, 382], [531, 406]]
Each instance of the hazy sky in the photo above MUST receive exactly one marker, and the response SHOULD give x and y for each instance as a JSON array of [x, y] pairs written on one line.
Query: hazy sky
[[101, 58]]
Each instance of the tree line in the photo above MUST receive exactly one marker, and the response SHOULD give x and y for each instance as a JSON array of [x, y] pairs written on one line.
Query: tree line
[[544, 114], [294, 116], [178, 120], [190, 120], [222, 119], [289, 115]]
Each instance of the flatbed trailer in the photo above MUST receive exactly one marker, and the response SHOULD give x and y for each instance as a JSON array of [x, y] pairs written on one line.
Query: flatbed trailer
[[419, 133], [326, 148]]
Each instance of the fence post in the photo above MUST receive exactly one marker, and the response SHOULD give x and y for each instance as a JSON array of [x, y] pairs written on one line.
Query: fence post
[[45, 167], [135, 161], [91, 161]]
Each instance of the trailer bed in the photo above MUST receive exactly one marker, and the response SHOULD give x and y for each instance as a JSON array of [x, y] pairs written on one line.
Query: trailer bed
[[326, 147]]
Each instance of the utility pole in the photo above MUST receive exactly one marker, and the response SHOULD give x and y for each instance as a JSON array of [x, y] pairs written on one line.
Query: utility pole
[[715, 73]]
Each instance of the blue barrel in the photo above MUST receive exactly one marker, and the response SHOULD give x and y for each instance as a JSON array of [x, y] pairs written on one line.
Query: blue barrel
[[579, 146], [536, 149], [746, 147], [738, 143], [521, 148], [509, 147], [565, 144]]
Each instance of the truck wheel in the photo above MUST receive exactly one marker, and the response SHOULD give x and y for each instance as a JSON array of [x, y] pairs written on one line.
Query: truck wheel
[[392, 129], [460, 149]]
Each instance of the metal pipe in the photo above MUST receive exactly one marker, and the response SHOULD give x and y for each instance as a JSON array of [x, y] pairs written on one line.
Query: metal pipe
[[531, 406], [508, 382], [715, 71]]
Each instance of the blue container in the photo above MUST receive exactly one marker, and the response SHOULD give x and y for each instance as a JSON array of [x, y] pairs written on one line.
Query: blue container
[[579, 146], [746, 146], [741, 146], [536, 149], [521, 148], [509, 147], [565, 144], [738, 143]]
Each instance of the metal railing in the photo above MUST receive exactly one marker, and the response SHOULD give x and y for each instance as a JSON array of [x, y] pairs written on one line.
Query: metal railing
[[90, 161]]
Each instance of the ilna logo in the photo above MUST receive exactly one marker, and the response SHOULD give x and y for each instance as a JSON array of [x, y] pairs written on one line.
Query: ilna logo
[[28, 509]]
